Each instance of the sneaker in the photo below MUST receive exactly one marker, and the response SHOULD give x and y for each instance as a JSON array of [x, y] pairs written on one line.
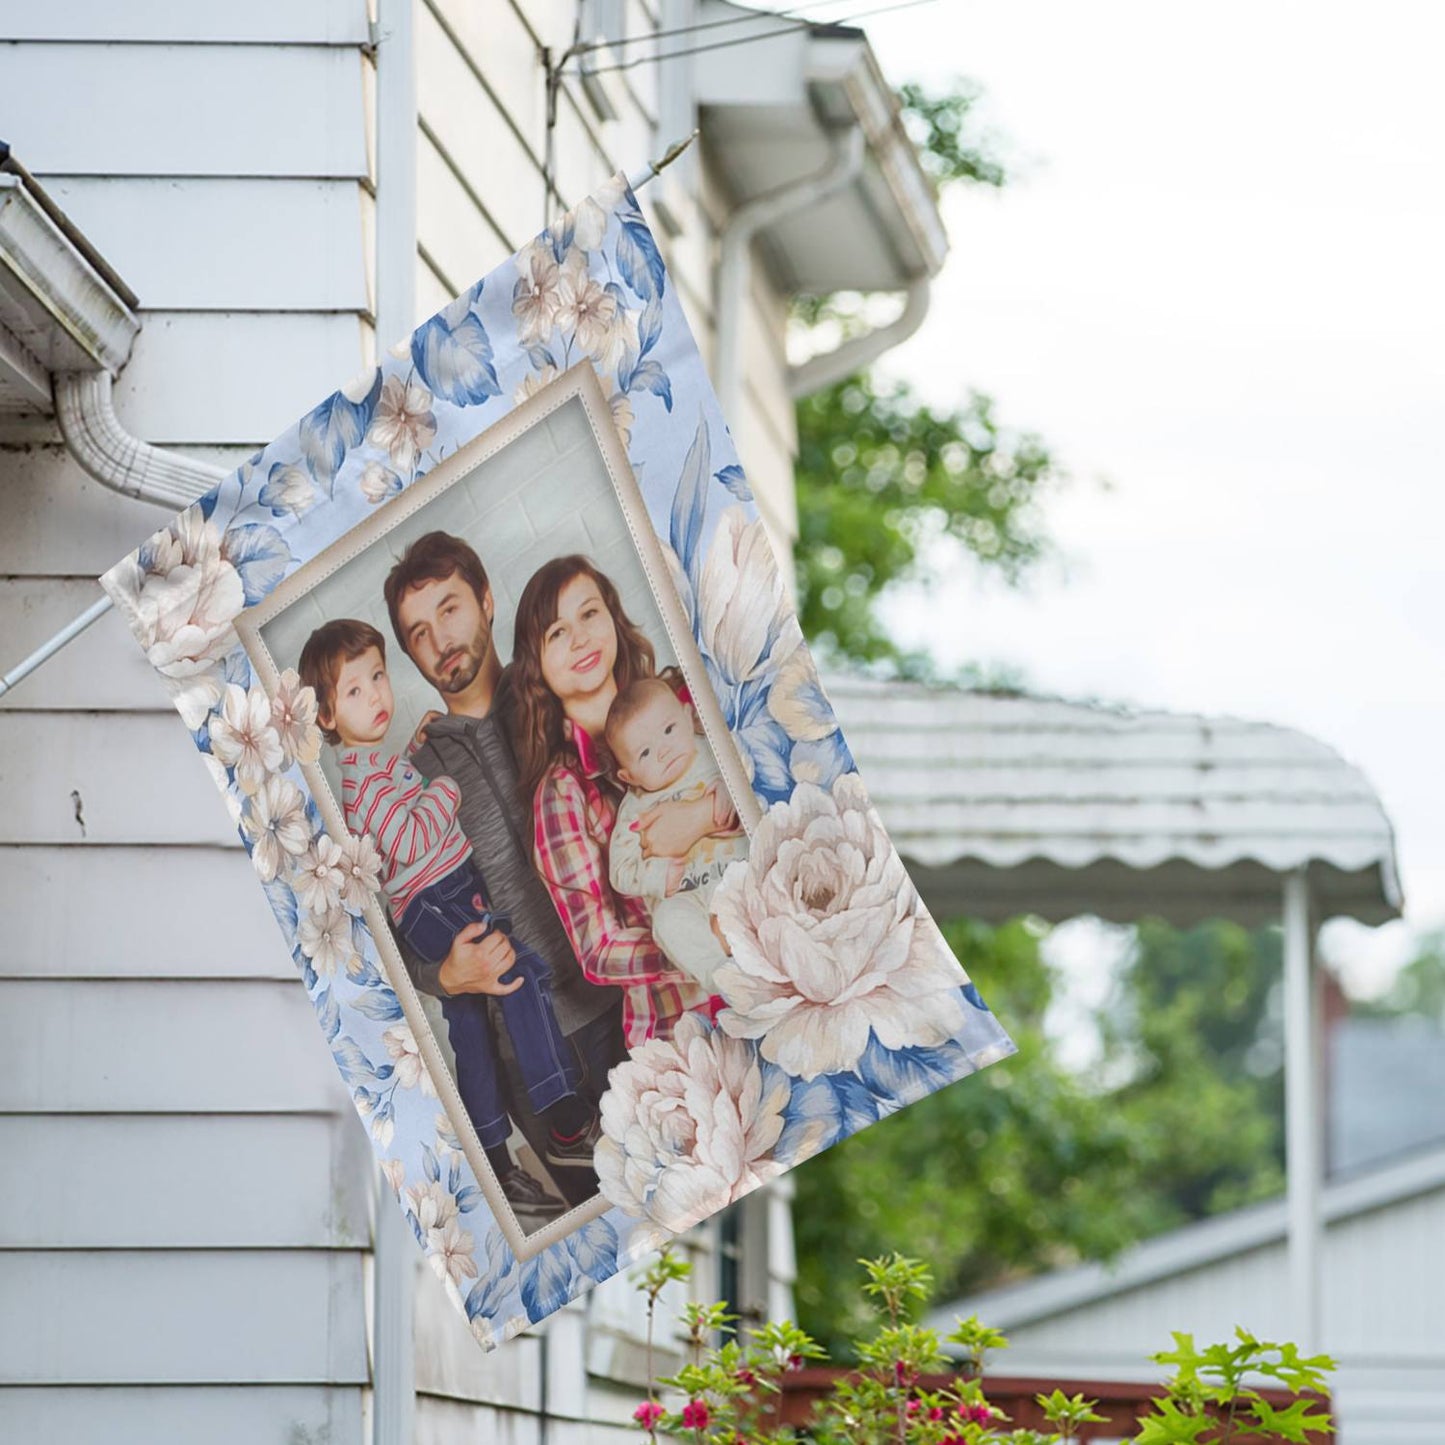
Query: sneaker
[[531, 1201], [578, 1153]]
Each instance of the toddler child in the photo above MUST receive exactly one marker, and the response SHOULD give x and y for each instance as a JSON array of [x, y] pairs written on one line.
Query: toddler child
[[651, 733], [434, 890]]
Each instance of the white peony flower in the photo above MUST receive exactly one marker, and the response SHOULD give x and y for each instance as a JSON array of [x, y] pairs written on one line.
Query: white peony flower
[[622, 416], [447, 1135], [359, 387], [395, 1172], [242, 736], [411, 1069], [689, 1125], [293, 715], [619, 339], [588, 218], [404, 423], [222, 779], [185, 596], [449, 1248], [434, 1206], [378, 482], [830, 940], [360, 870], [290, 489], [276, 821], [321, 875], [747, 624], [326, 940], [533, 382], [796, 698], [587, 309], [535, 296], [383, 1130]]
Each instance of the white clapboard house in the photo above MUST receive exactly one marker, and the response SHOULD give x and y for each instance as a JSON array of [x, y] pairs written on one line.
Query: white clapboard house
[[211, 214]]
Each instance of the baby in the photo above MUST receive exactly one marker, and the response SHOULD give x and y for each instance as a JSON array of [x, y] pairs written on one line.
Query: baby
[[652, 736], [434, 890]]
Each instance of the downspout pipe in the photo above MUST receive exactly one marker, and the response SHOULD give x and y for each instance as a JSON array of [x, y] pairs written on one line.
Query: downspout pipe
[[734, 272], [94, 436], [830, 367]]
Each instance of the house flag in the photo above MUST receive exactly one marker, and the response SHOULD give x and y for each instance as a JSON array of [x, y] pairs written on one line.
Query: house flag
[[493, 665]]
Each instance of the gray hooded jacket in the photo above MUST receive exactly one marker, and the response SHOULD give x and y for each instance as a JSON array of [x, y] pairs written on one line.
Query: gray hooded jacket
[[477, 754]]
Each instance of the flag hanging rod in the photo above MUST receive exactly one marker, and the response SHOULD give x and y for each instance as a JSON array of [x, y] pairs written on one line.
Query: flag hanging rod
[[97, 610]]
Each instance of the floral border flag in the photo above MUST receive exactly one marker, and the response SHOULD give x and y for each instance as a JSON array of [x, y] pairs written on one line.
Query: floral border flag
[[819, 996]]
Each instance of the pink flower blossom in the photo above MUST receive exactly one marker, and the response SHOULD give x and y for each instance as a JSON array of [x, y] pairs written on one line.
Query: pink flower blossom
[[695, 1415], [648, 1413]]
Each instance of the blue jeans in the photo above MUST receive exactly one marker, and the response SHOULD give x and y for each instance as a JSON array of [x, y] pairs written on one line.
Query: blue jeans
[[547, 1061]]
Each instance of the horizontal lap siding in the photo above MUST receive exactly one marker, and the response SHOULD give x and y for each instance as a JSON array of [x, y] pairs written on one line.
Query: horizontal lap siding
[[125, 890], [208, 244], [184, 1226], [203, 1414], [176, 1181], [185, 110], [273, 22], [168, 1316], [163, 1046]]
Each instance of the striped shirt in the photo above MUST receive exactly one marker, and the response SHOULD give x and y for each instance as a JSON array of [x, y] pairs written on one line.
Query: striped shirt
[[574, 813], [412, 822]]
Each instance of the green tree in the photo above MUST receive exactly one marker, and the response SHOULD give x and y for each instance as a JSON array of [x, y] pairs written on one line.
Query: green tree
[[1031, 1166], [889, 488]]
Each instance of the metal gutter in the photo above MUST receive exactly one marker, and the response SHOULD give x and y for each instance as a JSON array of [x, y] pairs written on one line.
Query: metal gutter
[[735, 260]]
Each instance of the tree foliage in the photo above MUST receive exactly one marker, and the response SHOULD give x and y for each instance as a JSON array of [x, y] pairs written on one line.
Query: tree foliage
[[890, 489], [1030, 1166], [882, 480]]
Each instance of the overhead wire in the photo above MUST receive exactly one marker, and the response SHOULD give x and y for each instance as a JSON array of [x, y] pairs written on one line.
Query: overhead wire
[[788, 13], [777, 30]]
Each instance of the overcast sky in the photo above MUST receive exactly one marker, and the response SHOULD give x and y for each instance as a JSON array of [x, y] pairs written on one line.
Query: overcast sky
[[1216, 281]]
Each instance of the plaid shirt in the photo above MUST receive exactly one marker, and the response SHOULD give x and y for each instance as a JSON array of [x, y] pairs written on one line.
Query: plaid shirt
[[574, 814]]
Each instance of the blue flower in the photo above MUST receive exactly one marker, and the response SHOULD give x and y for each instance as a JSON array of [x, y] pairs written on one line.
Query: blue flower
[[547, 1282], [260, 555], [452, 354], [288, 488], [329, 430], [822, 1111]]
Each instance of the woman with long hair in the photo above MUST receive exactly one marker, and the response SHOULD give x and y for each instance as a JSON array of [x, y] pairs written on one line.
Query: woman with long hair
[[574, 650]]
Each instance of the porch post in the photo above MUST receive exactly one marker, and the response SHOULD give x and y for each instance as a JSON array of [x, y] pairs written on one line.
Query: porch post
[[1303, 1132]]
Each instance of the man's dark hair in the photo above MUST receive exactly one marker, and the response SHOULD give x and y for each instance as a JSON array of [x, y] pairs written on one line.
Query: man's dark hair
[[327, 651], [432, 558]]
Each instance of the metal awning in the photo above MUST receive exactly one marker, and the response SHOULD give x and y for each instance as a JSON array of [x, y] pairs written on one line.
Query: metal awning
[[1006, 804], [770, 109], [62, 309]]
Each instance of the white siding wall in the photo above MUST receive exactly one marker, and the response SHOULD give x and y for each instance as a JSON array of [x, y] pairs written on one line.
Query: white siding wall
[[187, 1196], [185, 1217], [1383, 1319], [480, 156]]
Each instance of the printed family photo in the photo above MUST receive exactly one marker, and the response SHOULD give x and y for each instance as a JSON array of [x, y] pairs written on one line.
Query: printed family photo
[[515, 716]]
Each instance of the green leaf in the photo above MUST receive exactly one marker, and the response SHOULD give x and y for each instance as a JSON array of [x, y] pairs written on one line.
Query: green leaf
[[1294, 1423]]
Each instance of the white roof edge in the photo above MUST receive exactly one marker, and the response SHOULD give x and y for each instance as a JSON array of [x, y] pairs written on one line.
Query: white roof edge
[[888, 713], [66, 309], [876, 105], [1194, 1246]]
